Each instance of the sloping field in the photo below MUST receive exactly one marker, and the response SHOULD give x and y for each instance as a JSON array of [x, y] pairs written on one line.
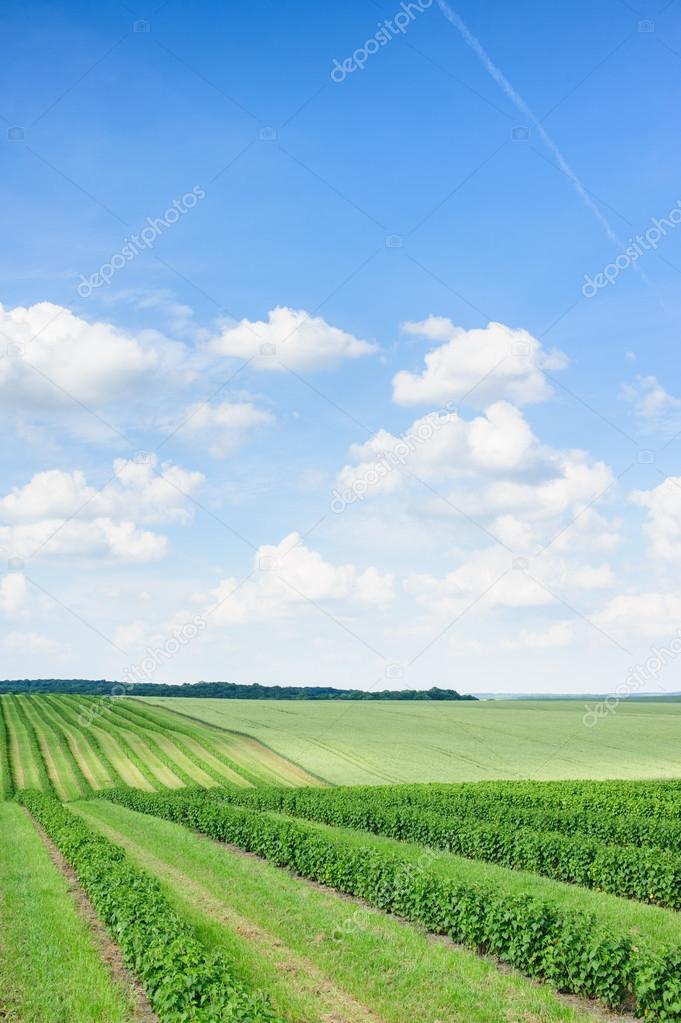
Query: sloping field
[[50, 968], [320, 957], [73, 745], [387, 742]]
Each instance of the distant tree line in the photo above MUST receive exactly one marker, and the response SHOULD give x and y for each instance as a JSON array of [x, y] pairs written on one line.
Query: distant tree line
[[222, 690]]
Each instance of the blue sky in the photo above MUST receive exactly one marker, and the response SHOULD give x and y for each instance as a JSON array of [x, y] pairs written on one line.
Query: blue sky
[[163, 469]]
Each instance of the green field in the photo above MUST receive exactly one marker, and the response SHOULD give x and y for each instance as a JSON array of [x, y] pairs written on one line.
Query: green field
[[243, 874], [375, 742]]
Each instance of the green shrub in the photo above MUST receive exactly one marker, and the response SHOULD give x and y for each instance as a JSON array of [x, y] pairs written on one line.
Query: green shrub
[[568, 948], [183, 981]]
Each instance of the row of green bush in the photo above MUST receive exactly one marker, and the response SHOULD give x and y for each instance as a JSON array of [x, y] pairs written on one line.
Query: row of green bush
[[649, 875], [183, 981], [570, 949], [499, 804]]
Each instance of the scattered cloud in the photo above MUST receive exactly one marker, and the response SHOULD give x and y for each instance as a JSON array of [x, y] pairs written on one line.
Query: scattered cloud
[[288, 578], [651, 403], [223, 428], [13, 594], [645, 613], [49, 357], [663, 525], [289, 338], [59, 513], [477, 367]]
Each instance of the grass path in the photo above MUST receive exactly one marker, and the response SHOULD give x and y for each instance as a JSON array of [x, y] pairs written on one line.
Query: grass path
[[66, 776], [97, 773], [50, 968], [26, 768], [323, 958]]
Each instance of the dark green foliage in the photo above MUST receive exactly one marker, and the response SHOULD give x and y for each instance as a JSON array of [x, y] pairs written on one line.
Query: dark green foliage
[[184, 983], [568, 948], [222, 690], [481, 830]]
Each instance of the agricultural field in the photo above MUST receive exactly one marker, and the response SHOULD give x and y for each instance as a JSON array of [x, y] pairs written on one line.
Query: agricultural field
[[376, 743], [157, 864]]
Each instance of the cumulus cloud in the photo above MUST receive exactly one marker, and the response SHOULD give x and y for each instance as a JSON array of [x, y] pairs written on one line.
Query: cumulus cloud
[[494, 469], [559, 634], [224, 427], [289, 338], [140, 489], [663, 525], [49, 357], [288, 576], [13, 594], [647, 613], [651, 403], [492, 577], [60, 513], [28, 642], [443, 445], [477, 367]]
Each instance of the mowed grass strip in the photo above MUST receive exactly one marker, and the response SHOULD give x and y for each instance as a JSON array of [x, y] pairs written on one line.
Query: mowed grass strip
[[50, 968], [322, 957], [194, 740], [6, 778], [27, 766], [98, 773], [256, 760], [95, 755], [65, 774]]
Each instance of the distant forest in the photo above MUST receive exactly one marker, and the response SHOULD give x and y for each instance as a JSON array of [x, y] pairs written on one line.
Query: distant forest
[[221, 690]]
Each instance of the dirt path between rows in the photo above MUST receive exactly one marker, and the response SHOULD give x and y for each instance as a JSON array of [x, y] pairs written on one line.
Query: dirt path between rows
[[600, 1013], [335, 1004], [108, 949]]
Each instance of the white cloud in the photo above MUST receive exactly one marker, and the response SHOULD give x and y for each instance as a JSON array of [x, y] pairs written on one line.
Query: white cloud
[[49, 357], [27, 642], [442, 445], [477, 367], [289, 338], [101, 537], [492, 577], [13, 594], [663, 526], [224, 427], [650, 401], [58, 513], [649, 614], [288, 577], [560, 634], [140, 489]]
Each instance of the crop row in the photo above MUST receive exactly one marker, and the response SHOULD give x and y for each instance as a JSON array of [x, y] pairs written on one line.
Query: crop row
[[6, 781], [570, 949], [182, 980], [649, 875], [495, 803]]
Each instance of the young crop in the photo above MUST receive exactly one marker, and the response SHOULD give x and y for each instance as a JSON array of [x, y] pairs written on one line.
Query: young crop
[[649, 875], [570, 949], [183, 981]]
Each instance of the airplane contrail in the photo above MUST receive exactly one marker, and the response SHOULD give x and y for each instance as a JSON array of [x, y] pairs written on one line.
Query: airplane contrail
[[525, 110]]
